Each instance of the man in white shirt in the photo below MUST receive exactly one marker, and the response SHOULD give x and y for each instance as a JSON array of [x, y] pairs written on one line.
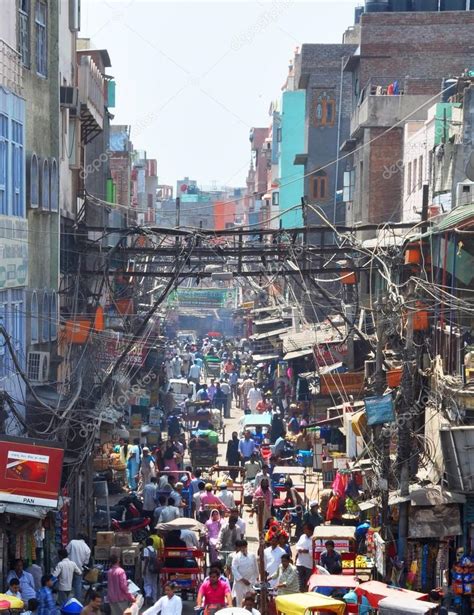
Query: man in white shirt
[[79, 553], [169, 604], [189, 538], [304, 556], [195, 373], [244, 571], [226, 496], [27, 583], [149, 496], [197, 498], [253, 397], [272, 558], [169, 513], [177, 364], [64, 572], [263, 473]]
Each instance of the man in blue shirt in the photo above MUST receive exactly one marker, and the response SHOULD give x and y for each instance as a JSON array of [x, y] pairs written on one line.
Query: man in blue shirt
[[47, 605], [27, 583], [246, 446]]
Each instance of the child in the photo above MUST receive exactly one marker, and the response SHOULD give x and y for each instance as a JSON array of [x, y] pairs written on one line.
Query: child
[[33, 605]]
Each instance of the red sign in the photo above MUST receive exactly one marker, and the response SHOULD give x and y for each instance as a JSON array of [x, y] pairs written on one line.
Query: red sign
[[29, 473], [330, 353]]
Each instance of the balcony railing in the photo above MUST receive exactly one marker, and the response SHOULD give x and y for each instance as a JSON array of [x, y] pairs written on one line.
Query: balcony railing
[[91, 96], [11, 73]]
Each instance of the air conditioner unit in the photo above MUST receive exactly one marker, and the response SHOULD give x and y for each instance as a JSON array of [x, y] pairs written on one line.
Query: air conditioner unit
[[38, 367], [68, 97], [465, 193]]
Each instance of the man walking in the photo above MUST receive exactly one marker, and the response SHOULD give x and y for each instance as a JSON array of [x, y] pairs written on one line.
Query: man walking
[[79, 553], [64, 572], [118, 594], [244, 571], [304, 557]]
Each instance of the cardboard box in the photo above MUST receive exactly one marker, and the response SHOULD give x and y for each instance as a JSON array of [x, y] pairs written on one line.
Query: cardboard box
[[123, 539], [102, 553], [104, 539], [129, 557]]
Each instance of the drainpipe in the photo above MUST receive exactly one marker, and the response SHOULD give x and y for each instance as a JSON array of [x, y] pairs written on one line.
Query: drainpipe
[[339, 120]]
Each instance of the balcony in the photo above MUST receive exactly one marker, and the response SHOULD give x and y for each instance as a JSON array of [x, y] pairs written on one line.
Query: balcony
[[91, 97], [11, 72], [382, 111]]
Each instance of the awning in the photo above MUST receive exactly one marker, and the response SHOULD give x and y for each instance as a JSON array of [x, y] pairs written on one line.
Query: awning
[[295, 354], [260, 358], [262, 336], [25, 510]]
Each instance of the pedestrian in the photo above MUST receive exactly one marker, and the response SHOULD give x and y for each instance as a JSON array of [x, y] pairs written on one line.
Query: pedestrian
[[150, 572], [147, 467], [118, 594], [149, 495], [211, 389], [213, 527], [93, 607], [304, 556], [197, 499], [247, 446], [287, 580], [226, 496], [170, 512], [225, 388], [14, 589], [162, 501], [264, 493], [133, 464], [202, 394], [252, 468], [228, 536], [64, 572], [177, 365], [26, 580], [233, 455], [220, 399], [253, 397], [214, 591], [79, 552], [312, 515], [195, 480], [32, 607], [244, 571], [233, 382], [245, 387], [169, 604], [272, 558], [47, 605], [195, 373]]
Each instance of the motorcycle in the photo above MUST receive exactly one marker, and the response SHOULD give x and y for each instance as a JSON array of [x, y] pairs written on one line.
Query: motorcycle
[[138, 527]]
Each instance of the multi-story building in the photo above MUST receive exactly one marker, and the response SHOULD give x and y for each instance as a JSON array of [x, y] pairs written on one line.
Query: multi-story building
[[260, 151], [396, 75], [38, 43], [14, 246], [144, 185]]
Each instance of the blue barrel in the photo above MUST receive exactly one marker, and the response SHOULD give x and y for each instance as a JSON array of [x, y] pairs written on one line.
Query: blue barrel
[[425, 5], [400, 6], [453, 5], [377, 6]]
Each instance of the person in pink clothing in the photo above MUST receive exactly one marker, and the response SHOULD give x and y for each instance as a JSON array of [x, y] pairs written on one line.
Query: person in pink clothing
[[209, 499], [213, 528], [118, 594], [264, 493]]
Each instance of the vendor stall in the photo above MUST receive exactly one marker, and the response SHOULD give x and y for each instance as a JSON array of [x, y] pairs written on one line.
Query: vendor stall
[[343, 537]]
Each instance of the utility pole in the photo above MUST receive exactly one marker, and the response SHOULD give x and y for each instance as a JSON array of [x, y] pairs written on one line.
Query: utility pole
[[261, 559], [407, 400], [380, 438]]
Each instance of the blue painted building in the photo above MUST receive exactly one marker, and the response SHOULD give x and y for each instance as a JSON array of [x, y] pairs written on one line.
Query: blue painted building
[[13, 244], [292, 142]]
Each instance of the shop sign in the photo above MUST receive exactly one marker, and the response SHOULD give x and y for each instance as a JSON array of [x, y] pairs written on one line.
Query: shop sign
[[113, 348], [379, 409], [328, 354], [29, 473], [350, 382], [13, 252]]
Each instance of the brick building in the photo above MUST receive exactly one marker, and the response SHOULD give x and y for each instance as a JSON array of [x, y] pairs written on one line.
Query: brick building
[[397, 74]]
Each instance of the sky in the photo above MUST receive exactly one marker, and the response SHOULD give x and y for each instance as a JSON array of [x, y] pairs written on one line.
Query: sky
[[193, 77]]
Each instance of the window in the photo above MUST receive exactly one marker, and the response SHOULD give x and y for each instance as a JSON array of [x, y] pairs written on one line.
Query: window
[[414, 175], [324, 108], [275, 198], [3, 163], [34, 318], [24, 32], [54, 185], [319, 186], [34, 182], [420, 173], [45, 316], [45, 186], [17, 169], [41, 38], [409, 179], [349, 186], [279, 135], [53, 328]]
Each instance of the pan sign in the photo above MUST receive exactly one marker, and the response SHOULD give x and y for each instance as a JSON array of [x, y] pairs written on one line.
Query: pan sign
[[29, 474]]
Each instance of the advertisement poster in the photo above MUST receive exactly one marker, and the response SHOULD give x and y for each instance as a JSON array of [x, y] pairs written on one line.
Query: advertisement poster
[[29, 473]]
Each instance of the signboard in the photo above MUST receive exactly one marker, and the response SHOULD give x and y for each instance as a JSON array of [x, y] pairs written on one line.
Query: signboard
[[29, 473], [113, 348], [328, 354], [379, 409], [13, 252], [350, 382], [205, 297]]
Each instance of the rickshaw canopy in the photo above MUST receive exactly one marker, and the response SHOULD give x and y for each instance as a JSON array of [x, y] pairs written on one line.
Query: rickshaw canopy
[[252, 420], [332, 580], [392, 606], [298, 604], [375, 591], [182, 523], [333, 532]]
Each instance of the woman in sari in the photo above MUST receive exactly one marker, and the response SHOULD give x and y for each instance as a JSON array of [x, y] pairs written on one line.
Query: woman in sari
[[213, 526]]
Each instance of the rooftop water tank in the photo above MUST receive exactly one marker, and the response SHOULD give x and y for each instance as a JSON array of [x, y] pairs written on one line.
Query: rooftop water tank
[[358, 11], [453, 5], [401, 6], [377, 6], [425, 5]]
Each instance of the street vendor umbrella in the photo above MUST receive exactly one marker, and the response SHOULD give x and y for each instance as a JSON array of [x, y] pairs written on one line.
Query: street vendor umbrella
[[14, 602], [182, 523]]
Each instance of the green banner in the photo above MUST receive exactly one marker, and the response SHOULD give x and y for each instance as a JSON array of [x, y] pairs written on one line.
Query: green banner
[[203, 297]]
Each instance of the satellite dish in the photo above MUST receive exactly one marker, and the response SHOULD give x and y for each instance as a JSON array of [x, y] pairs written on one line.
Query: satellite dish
[[470, 167]]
